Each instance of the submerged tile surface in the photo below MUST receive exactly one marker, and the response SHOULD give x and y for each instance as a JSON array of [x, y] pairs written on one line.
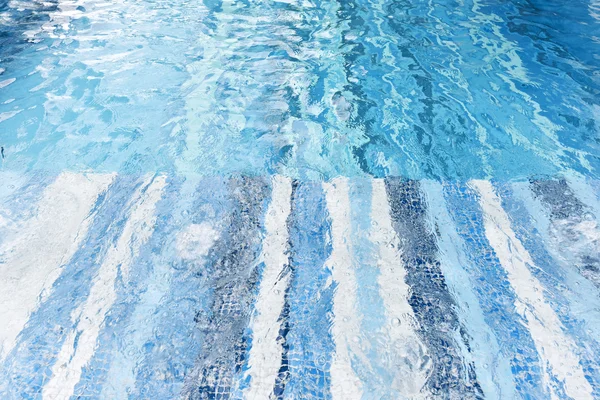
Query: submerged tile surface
[[254, 287]]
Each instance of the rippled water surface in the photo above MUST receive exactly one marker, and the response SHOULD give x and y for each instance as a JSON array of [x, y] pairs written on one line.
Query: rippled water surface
[[420, 89], [303, 199]]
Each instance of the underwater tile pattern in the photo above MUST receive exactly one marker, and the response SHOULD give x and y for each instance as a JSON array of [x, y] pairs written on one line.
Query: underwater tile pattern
[[248, 287]]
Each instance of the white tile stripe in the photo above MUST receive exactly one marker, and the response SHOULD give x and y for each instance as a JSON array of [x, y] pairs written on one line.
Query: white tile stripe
[[125, 364], [345, 385], [585, 192], [580, 304], [400, 335], [66, 372], [556, 349], [265, 352], [492, 368], [45, 242]]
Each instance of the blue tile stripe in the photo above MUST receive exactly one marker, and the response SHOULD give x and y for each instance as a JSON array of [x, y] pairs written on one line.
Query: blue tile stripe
[[495, 296], [430, 299], [310, 345]]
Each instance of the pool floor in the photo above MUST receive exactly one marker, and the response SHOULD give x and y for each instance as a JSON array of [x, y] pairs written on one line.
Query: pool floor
[[122, 286]]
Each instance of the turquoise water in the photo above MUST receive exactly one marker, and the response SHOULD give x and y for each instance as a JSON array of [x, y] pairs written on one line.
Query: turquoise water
[[299, 199], [420, 89]]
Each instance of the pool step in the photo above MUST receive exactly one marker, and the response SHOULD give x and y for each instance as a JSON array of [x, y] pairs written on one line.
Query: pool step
[[120, 286]]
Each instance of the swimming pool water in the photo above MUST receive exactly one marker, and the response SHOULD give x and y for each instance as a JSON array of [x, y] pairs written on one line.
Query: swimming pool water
[[299, 199]]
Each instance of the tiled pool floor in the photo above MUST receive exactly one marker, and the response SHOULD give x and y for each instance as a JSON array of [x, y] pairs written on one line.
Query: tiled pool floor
[[155, 286]]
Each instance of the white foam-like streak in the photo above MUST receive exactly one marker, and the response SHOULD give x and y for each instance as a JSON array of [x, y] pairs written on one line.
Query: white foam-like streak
[[556, 349], [265, 352], [594, 9], [403, 346], [345, 385], [44, 243], [80, 344]]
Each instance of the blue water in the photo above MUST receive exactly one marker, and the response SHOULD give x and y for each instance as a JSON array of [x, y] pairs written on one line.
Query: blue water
[[300, 199], [436, 89]]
